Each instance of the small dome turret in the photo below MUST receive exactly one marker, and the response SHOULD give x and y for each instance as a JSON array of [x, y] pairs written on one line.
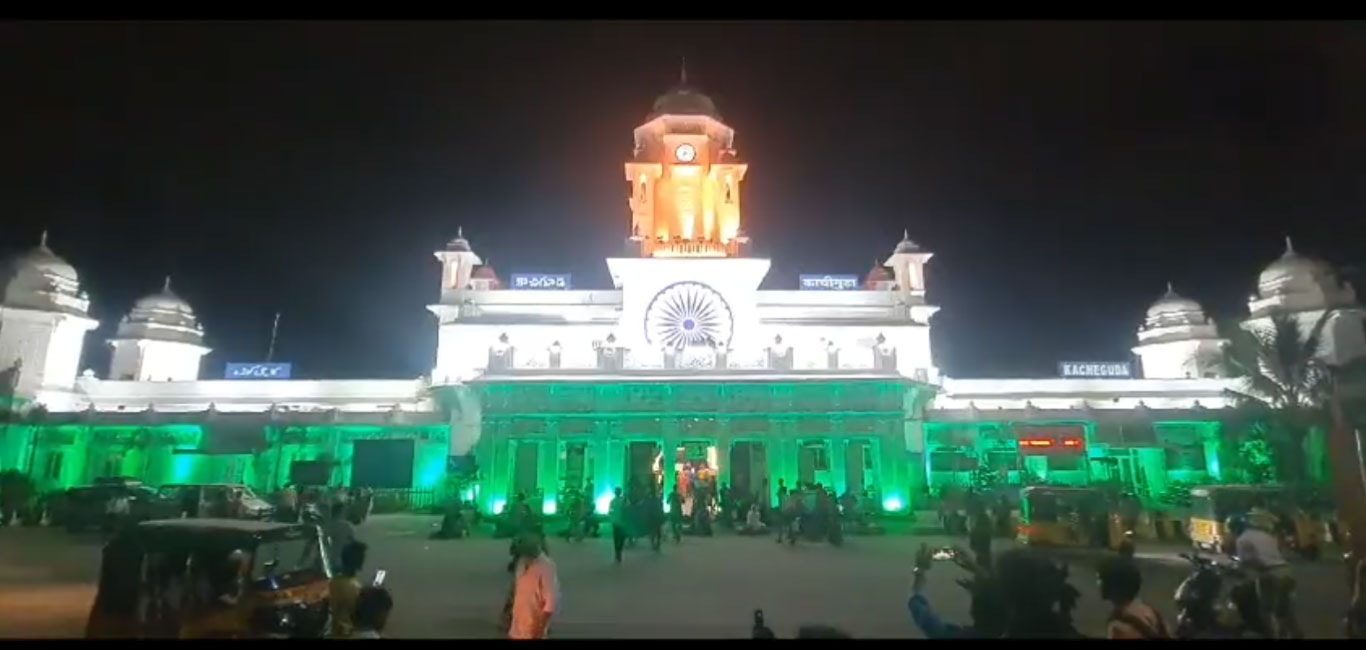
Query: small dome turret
[[1173, 309], [162, 316], [40, 279], [906, 245], [1292, 273]]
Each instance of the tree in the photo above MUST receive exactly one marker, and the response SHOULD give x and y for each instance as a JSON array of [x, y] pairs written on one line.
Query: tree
[[1285, 384]]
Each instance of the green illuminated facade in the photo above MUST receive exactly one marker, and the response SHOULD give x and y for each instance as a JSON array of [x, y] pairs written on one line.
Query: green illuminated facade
[[870, 436], [74, 449], [541, 438]]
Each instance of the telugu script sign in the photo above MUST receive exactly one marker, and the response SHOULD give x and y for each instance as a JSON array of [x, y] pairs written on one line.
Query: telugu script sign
[[257, 371], [541, 281], [828, 282], [1096, 369]]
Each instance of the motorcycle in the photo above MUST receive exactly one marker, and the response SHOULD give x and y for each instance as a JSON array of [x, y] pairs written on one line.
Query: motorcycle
[[1202, 610]]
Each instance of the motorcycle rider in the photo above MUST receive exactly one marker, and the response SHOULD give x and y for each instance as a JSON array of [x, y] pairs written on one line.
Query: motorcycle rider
[[1258, 549]]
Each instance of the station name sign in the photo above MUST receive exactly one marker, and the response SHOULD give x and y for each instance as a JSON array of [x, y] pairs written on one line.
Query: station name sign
[[257, 371], [828, 282], [1096, 369], [541, 281]]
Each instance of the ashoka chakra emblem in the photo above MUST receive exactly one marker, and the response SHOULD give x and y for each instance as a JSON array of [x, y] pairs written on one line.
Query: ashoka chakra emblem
[[686, 314]]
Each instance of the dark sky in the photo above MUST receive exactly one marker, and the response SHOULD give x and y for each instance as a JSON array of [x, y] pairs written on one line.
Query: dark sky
[[1061, 172]]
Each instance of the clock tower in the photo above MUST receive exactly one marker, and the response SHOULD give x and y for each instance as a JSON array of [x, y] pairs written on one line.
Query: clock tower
[[688, 285], [685, 180]]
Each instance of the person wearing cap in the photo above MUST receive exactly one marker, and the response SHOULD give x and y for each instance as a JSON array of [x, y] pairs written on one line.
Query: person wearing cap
[[1258, 549]]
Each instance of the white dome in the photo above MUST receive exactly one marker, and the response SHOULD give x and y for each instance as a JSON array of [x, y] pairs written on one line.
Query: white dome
[[39, 279], [42, 260], [161, 316], [1291, 272], [1172, 303], [163, 302], [1173, 309]]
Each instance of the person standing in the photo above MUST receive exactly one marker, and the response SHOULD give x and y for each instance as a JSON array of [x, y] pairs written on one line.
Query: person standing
[[655, 518], [340, 533], [1131, 618], [343, 592], [617, 512], [372, 612], [536, 592], [676, 514]]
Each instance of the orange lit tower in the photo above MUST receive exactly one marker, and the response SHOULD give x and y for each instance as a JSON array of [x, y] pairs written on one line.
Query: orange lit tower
[[685, 180]]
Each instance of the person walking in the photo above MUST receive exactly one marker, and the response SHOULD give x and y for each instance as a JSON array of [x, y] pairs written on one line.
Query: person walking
[[617, 512], [1259, 550], [535, 592]]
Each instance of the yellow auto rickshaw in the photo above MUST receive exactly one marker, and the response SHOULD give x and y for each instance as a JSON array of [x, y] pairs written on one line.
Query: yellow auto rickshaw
[[1068, 517], [212, 578], [1212, 505]]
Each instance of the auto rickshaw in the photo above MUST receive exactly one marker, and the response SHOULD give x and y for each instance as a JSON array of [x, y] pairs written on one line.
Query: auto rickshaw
[[1212, 505], [212, 578], [1068, 517]]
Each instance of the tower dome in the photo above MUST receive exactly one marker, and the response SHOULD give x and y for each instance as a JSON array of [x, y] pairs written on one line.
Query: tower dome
[[159, 340], [1177, 340], [1292, 273], [878, 278], [40, 279], [1173, 306], [162, 316], [906, 245], [684, 99]]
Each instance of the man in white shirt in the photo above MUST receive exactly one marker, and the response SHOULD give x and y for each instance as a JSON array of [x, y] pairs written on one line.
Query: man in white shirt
[[536, 592], [1259, 550]]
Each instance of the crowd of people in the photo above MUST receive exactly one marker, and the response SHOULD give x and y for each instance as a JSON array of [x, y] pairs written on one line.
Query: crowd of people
[[1023, 593]]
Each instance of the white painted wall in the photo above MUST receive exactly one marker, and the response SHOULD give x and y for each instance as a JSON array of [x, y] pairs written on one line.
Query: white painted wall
[[149, 360], [49, 343]]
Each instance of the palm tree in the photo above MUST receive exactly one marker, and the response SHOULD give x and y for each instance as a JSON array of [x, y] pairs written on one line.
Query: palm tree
[[1285, 384]]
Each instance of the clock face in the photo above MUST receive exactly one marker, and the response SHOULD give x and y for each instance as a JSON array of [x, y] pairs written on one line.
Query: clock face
[[685, 153]]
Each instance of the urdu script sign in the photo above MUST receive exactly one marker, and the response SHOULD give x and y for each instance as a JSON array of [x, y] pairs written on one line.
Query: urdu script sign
[[257, 371]]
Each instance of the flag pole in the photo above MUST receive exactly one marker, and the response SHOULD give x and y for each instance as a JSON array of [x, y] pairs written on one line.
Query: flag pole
[[274, 332]]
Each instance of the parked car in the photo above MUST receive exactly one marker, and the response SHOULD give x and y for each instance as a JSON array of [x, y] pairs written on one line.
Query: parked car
[[81, 508], [197, 500]]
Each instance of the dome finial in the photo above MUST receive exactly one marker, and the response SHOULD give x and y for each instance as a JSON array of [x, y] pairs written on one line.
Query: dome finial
[[166, 285], [683, 70], [1170, 290], [459, 232], [906, 234], [42, 239], [1289, 246]]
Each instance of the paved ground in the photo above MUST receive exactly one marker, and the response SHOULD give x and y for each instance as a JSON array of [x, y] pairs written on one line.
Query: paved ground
[[703, 588]]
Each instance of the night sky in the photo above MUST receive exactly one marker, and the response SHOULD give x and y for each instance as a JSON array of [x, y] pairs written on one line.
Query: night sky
[[1061, 172]]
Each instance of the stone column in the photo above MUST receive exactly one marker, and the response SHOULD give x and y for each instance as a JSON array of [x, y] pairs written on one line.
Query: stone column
[[839, 469]]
